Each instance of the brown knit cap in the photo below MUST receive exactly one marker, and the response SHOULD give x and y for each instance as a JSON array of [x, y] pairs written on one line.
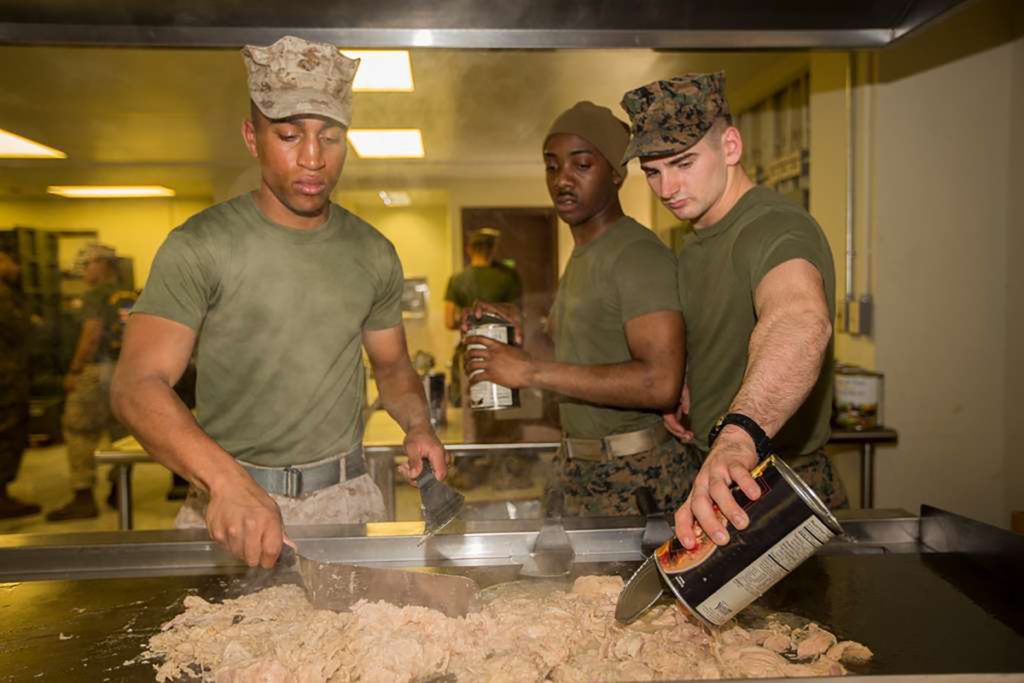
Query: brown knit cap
[[598, 126]]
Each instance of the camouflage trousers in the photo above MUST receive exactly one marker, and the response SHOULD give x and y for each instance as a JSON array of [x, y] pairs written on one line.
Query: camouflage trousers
[[86, 417], [606, 488], [13, 438], [355, 501], [818, 472]]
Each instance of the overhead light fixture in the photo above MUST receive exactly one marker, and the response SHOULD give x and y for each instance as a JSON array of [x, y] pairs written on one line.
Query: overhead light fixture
[[395, 200], [394, 143], [14, 146], [110, 191], [382, 70]]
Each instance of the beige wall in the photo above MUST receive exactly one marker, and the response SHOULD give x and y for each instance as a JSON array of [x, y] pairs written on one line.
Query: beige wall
[[1014, 375], [135, 227], [947, 247]]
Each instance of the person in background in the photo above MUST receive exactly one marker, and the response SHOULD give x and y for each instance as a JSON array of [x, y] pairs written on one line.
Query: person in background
[[87, 383], [484, 280], [14, 385], [493, 282], [617, 330], [277, 291], [757, 286]]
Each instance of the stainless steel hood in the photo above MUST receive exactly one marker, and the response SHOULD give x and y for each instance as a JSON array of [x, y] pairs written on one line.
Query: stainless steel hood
[[662, 24]]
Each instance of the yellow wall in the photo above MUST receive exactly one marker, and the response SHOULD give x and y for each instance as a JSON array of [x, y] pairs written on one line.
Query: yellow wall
[[135, 227], [828, 188], [423, 241]]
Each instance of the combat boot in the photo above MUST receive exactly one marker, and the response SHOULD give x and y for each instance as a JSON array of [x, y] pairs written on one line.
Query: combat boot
[[11, 507], [82, 506]]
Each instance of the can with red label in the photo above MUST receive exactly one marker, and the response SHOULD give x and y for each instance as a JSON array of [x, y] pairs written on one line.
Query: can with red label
[[788, 523]]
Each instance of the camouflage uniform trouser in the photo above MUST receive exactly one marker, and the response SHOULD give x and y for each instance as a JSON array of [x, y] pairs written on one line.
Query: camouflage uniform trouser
[[606, 488], [355, 501], [86, 417], [13, 437], [818, 472]]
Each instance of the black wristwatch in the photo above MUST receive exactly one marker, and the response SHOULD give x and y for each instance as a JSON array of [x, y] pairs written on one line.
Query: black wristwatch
[[762, 444]]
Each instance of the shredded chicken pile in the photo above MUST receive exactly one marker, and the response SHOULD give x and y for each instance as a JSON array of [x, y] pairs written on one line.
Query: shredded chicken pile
[[276, 636]]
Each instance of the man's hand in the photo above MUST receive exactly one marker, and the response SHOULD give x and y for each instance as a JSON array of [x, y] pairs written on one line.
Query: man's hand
[[422, 443], [729, 462], [242, 517], [677, 423], [502, 364], [509, 312], [70, 381]]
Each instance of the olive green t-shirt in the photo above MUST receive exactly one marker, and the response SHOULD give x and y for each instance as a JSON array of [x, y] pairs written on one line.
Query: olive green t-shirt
[[719, 269], [625, 273], [97, 304], [496, 284], [279, 315]]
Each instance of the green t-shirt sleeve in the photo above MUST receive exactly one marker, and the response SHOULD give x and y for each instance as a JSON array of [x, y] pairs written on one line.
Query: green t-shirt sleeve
[[781, 238], [645, 277], [181, 283], [93, 304], [449, 292], [386, 311], [515, 290]]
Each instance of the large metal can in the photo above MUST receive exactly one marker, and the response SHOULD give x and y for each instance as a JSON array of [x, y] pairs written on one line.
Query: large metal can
[[788, 523], [488, 395]]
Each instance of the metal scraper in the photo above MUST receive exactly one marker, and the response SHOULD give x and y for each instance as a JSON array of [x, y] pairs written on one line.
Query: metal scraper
[[552, 553], [337, 586], [439, 503]]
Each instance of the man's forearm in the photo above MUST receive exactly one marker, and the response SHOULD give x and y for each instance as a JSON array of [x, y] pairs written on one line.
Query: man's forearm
[[402, 396], [633, 384], [168, 431], [785, 356]]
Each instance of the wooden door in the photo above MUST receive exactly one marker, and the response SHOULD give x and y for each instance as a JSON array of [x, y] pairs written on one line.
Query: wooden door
[[529, 240]]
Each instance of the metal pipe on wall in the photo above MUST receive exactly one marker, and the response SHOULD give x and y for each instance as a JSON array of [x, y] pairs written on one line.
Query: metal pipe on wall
[[848, 296]]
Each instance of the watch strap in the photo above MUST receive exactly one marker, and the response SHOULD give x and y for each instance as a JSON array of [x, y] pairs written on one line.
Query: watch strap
[[762, 444]]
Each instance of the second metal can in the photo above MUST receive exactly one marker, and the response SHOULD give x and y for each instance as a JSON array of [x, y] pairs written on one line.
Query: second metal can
[[488, 395]]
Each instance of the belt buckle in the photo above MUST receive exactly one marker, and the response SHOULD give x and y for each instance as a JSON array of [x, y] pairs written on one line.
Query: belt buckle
[[292, 482]]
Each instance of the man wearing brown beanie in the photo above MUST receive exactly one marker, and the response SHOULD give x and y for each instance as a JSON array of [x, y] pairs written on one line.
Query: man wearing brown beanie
[[617, 330]]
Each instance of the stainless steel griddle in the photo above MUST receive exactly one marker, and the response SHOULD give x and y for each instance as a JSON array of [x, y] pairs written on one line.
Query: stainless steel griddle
[[937, 597]]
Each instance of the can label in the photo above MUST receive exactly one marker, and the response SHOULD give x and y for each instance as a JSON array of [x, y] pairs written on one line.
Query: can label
[[488, 395], [788, 523]]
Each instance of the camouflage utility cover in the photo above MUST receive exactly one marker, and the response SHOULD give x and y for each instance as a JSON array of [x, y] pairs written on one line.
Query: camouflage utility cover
[[669, 117], [294, 76]]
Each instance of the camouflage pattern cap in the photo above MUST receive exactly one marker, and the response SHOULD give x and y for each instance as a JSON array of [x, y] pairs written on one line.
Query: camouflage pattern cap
[[669, 117], [484, 236], [294, 76], [93, 251]]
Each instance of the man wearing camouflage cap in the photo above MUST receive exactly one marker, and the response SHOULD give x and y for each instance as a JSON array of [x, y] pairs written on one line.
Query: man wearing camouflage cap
[[757, 287], [617, 331], [87, 383], [278, 291]]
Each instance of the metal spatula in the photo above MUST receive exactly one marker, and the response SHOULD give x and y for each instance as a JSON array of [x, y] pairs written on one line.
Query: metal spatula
[[552, 553], [439, 503], [337, 586]]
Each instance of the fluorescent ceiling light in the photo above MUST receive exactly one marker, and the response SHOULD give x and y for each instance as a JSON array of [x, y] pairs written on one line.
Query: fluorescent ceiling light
[[14, 146], [110, 191], [396, 143], [395, 199], [382, 70]]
